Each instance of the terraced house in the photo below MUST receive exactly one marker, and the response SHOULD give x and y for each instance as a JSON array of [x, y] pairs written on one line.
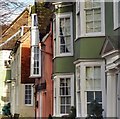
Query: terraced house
[[74, 61], [16, 40], [86, 57]]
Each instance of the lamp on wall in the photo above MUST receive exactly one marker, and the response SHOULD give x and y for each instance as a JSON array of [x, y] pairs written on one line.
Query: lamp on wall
[[10, 80]]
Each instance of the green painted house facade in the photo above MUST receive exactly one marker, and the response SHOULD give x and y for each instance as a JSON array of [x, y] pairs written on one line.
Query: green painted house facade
[[84, 34]]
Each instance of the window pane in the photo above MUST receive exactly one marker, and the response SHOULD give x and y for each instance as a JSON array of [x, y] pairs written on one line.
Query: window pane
[[68, 45], [90, 96], [89, 72], [97, 84], [68, 109], [97, 72], [79, 103], [37, 70], [98, 96], [88, 4], [38, 64], [89, 15], [62, 91], [89, 84], [62, 110], [97, 26], [67, 91], [29, 102], [68, 100], [89, 27], [62, 26], [97, 13], [88, 108], [96, 3], [68, 82], [62, 49], [62, 40], [62, 82], [62, 100], [67, 26]]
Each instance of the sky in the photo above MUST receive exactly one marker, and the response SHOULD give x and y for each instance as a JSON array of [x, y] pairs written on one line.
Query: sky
[[27, 1], [15, 12]]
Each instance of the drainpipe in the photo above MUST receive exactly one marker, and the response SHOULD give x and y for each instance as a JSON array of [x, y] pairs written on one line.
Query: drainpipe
[[35, 33]]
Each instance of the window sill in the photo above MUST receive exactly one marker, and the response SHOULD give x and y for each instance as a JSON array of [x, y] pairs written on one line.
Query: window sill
[[35, 76], [29, 105], [90, 35], [61, 115], [93, 34], [64, 55], [116, 27]]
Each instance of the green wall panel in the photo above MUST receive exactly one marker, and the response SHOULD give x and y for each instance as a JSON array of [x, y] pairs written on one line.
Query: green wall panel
[[109, 24], [63, 65], [64, 9], [88, 47], [108, 18]]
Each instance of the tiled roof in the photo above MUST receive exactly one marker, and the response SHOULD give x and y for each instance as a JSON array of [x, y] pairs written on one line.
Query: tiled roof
[[14, 27]]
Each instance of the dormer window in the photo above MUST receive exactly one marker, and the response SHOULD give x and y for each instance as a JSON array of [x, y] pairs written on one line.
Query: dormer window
[[64, 38], [34, 20], [35, 50]]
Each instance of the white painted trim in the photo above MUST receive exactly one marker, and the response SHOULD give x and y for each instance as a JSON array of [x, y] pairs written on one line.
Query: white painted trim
[[87, 60], [110, 53], [115, 14]]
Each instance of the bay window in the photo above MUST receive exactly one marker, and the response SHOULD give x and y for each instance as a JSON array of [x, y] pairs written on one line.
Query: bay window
[[63, 94], [64, 39], [89, 80], [92, 18]]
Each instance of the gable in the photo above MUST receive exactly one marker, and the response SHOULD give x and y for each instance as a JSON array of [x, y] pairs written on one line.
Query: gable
[[107, 47]]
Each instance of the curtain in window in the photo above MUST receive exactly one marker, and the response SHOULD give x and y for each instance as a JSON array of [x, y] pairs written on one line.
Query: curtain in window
[[65, 36]]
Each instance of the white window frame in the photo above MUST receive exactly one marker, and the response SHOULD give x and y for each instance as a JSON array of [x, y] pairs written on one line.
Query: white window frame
[[32, 62], [58, 16], [31, 95], [57, 93], [115, 12], [77, 19], [83, 98], [83, 21], [54, 36]]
